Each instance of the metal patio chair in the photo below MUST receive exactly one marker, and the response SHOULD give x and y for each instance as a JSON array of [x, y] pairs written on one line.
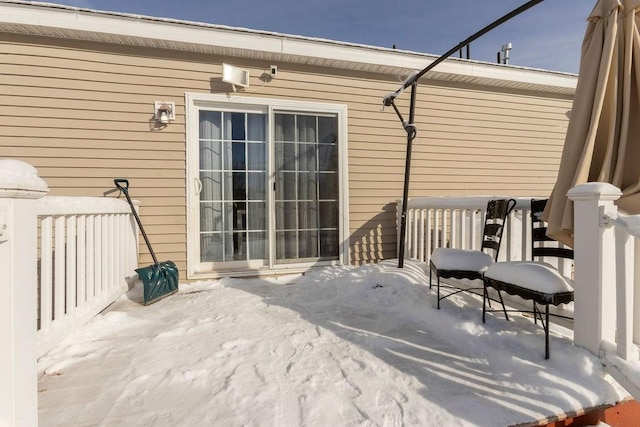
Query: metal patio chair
[[470, 264], [537, 281]]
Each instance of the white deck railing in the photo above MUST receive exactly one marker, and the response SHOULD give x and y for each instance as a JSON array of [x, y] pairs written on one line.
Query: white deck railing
[[606, 270], [87, 253], [456, 222], [607, 300], [63, 260]]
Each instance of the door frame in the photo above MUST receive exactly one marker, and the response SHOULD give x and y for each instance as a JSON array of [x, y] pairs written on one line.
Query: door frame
[[196, 101]]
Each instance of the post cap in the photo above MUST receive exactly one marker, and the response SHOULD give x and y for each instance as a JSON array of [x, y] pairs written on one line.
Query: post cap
[[594, 191], [21, 180]]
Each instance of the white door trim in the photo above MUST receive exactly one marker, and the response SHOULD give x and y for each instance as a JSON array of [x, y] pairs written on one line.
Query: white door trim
[[195, 101]]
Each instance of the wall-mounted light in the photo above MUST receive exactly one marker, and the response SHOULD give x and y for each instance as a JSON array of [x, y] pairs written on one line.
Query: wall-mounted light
[[165, 111], [235, 76]]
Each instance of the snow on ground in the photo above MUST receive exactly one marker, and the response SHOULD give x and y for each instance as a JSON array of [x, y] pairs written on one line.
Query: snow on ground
[[338, 346]]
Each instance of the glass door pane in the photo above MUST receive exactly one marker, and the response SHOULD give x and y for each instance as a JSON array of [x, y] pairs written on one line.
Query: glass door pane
[[306, 187], [233, 200]]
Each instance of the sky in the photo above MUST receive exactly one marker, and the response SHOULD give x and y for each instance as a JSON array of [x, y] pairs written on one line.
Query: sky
[[337, 346], [547, 36]]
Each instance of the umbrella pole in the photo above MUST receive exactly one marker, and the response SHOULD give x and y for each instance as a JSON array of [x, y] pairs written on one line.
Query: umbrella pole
[[410, 128]]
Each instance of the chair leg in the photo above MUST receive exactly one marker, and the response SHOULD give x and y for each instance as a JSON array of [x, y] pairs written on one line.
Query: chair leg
[[504, 309], [438, 286], [546, 331], [430, 274], [485, 295]]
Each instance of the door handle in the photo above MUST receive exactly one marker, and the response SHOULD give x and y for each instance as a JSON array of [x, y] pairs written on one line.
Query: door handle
[[198, 185]]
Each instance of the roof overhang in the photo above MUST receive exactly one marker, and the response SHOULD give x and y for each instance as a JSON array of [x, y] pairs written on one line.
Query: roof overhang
[[65, 22]]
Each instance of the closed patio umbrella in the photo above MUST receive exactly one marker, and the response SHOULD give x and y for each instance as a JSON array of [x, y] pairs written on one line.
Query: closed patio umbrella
[[603, 137]]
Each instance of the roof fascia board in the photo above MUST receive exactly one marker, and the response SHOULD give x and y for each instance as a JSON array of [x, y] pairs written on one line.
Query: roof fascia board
[[335, 54], [131, 26]]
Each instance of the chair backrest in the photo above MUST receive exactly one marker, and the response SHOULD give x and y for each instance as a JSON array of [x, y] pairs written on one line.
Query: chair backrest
[[539, 235], [494, 222]]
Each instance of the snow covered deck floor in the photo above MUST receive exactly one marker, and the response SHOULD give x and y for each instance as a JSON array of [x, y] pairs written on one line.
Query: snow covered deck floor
[[338, 346]]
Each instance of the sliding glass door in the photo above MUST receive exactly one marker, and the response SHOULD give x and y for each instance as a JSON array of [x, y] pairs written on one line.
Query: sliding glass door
[[306, 187], [267, 186], [233, 199]]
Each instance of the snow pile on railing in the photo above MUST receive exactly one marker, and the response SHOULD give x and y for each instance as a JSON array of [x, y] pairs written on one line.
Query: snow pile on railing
[[60, 205], [15, 174]]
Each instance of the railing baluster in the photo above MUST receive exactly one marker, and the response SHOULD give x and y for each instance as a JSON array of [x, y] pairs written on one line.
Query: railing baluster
[[82, 260], [436, 228], [473, 229], [59, 269], [414, 240], [453, 233], [464, 235], [91, 257], [422, 236], [97, 255], [124, 266], [429, 233], [111, 251], [443, 235], [526, 235], [132, 236], [104, 219], [120, 242], [70, 259], [508, 238], [624, 294], [46, 273], [407, 234]]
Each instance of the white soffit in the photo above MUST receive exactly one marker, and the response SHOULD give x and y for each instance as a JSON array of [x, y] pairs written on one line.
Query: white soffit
[[50, 20]]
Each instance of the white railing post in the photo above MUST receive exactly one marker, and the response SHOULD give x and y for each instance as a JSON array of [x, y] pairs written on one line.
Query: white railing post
[[20, 187], [594, 247]]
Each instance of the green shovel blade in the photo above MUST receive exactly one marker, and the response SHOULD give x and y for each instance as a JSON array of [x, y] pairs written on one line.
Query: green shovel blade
[[158, 280]]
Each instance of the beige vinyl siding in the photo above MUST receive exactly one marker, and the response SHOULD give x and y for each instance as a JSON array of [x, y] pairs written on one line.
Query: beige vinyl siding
[[82, 113], [67, 111], [470, 141]]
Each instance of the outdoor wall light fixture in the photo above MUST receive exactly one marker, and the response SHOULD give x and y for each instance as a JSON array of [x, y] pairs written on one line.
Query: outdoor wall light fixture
[[235, 76], [165, 111]]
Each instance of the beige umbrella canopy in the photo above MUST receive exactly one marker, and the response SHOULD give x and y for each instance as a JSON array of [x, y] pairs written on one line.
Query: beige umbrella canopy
[[603, 136]]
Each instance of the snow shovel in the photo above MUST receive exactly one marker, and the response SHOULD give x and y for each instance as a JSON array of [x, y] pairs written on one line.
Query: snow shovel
[[160, 279]]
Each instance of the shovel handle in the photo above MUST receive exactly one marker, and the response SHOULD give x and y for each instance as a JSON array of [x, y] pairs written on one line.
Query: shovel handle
[[125, 189], [119, 181]]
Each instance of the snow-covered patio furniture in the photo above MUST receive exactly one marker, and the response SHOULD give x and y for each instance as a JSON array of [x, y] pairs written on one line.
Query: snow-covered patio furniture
[[471, 264], [537, 281]]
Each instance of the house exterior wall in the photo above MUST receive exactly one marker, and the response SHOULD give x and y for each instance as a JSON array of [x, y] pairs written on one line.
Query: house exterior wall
[[82, 113]]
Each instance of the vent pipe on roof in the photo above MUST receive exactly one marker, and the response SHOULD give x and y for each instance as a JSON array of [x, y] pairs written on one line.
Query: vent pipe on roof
[[504, 58]]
